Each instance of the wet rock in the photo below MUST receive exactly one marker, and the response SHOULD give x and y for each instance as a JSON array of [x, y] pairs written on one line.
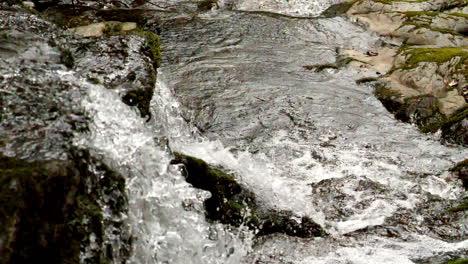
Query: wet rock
[[455, 128], [231, 203], [125, 63], [423, 85], [50, 210], [58, 202], [461, 171]]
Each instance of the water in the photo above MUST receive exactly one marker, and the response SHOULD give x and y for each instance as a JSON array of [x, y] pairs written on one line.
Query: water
[[233, 91]]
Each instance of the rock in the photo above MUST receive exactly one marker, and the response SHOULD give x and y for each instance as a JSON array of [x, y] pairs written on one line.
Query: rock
[[424, 83], [128, 63], [231, 203], [461, 171], [104, 28], [53, 194], [455, 128], [28, 4], [381, 60], [49, 209]]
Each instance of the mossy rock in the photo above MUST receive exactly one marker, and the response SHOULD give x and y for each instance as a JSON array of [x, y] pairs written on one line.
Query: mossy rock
[[47, 212], [455, 128], [124, 15], [424, 111], [231, 203], [153, 45], [36, 208], [458, 261], [461, 170], [415, 56]]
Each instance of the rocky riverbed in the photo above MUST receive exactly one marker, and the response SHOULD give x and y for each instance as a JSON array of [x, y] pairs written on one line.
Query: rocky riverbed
[[99, 160]]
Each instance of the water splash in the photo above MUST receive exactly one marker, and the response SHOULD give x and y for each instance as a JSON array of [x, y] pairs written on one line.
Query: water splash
[[165, 213]]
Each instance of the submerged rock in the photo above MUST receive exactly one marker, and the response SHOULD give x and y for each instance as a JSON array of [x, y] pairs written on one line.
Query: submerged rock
[[231, 203]]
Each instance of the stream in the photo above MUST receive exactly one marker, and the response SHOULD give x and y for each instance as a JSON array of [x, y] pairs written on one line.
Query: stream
[[233, 90]]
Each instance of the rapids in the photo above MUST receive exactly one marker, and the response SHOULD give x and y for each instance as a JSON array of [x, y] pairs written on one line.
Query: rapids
[[233, 90]]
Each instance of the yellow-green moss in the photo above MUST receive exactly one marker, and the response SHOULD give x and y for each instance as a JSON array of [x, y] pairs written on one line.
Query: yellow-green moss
[[153, 44], [458, 261], [414, 56]]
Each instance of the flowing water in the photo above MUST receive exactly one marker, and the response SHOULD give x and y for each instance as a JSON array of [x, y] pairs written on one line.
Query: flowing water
[[233, 91]]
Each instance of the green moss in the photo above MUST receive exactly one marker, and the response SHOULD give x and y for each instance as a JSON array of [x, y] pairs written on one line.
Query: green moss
[[153, 45], [458, 261], [414, 56]]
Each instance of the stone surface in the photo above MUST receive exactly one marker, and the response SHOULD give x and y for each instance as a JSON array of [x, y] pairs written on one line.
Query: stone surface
[[99, 29], [432, 64], [232, 203]]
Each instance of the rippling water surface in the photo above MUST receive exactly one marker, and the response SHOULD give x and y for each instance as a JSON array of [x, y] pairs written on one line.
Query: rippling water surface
[[233, 91]]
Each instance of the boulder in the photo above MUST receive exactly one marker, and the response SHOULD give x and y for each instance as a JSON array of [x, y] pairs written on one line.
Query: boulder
[[232, 203], [58, 201]]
